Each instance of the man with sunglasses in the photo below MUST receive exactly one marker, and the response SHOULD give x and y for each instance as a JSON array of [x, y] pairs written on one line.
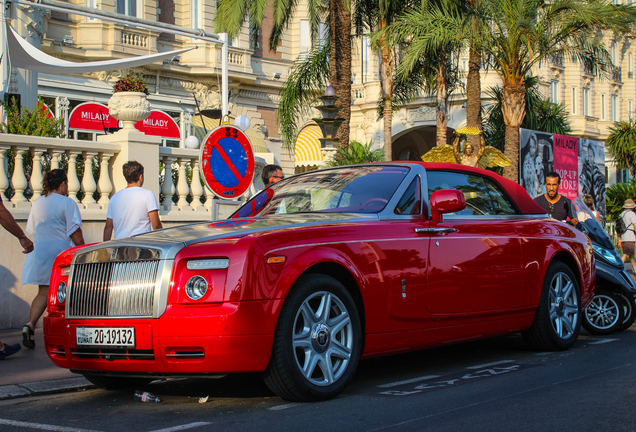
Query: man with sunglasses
[[272, 174]]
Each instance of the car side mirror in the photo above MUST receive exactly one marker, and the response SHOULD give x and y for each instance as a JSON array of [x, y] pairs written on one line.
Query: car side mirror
[[446, 201]]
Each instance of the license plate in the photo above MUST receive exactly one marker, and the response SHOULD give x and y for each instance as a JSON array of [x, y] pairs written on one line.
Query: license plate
[[123, 337]]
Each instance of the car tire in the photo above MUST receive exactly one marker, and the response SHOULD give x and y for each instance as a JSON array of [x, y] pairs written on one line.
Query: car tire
[[557, 321], [604, 315], [629, 312], [116, 383], [317, 343]]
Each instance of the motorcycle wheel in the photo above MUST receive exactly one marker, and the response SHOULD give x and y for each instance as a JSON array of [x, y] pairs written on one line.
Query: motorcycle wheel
[[629, 312], [605, 314]]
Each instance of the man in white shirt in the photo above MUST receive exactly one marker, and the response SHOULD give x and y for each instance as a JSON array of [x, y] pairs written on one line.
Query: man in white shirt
[[133, 210], [628, 239]]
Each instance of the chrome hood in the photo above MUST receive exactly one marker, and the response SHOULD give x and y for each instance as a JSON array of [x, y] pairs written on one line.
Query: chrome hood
[[166, 243]]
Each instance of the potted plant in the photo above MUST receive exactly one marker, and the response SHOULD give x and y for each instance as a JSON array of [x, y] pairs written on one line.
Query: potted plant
[[128, 102]]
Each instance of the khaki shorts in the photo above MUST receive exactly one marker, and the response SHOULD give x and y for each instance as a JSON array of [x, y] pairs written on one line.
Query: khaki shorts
[[628, 248]]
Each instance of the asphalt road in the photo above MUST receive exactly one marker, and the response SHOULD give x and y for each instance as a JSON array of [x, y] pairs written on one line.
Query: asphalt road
[[493, 385]]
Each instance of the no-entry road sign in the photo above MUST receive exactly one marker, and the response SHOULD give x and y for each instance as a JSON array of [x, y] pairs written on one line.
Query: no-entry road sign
[[227, 162]]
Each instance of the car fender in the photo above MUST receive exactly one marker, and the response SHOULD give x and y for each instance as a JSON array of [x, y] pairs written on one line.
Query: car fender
[[300, 260]]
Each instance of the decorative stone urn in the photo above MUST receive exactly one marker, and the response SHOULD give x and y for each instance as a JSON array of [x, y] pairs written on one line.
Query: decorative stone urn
[[129, 107]]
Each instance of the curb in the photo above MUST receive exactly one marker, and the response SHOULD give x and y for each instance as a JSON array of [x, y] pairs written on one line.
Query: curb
[[44, 387]]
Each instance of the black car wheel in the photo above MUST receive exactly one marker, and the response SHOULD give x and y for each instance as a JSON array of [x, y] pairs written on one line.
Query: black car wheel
[[629, 312], [317, 343], [604, 315], [116, 383], [557, 321]]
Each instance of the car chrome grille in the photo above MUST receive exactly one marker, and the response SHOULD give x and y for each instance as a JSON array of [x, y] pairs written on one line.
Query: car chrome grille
[[112, 289]]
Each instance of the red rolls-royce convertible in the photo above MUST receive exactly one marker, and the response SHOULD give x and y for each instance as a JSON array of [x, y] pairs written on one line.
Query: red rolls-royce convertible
[[318, 271]]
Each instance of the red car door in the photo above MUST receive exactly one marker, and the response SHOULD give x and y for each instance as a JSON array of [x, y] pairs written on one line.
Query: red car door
[[475, 261]]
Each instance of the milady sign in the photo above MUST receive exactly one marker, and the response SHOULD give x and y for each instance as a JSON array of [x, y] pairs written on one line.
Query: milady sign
[[95, 117]]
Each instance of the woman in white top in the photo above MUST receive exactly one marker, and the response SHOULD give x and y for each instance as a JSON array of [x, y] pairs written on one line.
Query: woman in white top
[[56, 225]]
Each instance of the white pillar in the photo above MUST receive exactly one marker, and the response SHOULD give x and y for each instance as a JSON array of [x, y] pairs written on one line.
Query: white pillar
[[73, 180], [168, 188], [105, 185], [225, 92], [18, 179], [182, 186], [195, 186], [36, 173], [88, 182], [55, 159]]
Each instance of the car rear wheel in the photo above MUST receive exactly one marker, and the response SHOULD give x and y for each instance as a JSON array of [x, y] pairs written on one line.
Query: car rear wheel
[[116, 383], [629, 312], [317, 343], [604, 315], [557, 321]]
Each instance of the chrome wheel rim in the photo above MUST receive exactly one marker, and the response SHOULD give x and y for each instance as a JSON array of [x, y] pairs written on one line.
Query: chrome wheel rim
[[323, 338], [603, 312], [564, 310]]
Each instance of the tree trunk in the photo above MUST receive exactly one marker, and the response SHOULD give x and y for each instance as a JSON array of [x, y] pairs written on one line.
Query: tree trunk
[[386, 84], [514, 109], [442, 107], [340, 64], [473, 96]]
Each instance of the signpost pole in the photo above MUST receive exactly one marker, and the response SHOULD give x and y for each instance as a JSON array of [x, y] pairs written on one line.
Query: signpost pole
[[225, 97]]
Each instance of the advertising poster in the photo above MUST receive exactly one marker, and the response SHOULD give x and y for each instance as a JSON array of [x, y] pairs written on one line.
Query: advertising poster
[[592, 172], [579, 162], [536, 160], [566, 164]]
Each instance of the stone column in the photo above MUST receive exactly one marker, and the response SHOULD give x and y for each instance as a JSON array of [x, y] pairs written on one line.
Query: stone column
[[105, 185], [88, 182], [182, 186], [73, 180], [36, 173], [195, 186], [61, 111], [19, 180], [168, 187]]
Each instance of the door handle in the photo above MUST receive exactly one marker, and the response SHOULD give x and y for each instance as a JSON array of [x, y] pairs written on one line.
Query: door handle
[[438, 231]]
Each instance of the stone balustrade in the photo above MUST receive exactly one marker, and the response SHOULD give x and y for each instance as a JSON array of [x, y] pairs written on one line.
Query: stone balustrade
[[52, 153], [91, 180]]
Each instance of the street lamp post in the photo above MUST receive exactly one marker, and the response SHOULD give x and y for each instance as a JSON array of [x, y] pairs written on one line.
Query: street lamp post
[[329, 123]]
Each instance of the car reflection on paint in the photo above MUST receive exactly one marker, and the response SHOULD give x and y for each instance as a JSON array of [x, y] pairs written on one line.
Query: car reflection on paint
[[320, 270]]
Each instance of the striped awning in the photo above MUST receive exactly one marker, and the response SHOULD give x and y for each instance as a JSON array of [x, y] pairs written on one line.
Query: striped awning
[[258, 144], [307, 147]]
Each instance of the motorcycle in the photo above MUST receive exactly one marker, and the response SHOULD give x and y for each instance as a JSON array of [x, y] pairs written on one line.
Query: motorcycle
[[613, 308]]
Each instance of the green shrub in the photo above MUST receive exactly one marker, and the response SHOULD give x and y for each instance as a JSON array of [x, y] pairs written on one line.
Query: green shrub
[[356, 153], [35, 123]]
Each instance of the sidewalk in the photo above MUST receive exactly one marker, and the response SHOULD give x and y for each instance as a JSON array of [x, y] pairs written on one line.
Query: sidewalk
[[30, 372]]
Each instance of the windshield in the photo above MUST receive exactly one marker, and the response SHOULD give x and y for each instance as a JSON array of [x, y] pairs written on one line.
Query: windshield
[[362, 189], [590, 225]]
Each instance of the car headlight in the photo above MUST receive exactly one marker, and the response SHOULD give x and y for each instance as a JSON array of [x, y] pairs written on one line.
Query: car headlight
[[608, 255], [196, 287], [61, 292], [208, 264]]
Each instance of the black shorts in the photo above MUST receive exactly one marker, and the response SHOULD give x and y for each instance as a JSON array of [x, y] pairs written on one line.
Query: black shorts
[[628, 247]]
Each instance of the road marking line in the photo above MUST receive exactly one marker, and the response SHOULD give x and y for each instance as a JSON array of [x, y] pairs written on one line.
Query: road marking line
[[282, 407], [182, 427], [490, 364], [42, 426], [602, 341], [409, 381]]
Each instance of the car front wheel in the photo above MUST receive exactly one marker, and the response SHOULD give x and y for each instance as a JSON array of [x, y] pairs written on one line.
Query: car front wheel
[[317, 343], [557, 321], [604, 315]]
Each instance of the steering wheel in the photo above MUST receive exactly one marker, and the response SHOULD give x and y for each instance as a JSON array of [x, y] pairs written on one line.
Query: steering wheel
[[382, 200]]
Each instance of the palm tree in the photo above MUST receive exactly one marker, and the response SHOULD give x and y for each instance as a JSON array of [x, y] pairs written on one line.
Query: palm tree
[[428, 50], [541, 114], [375, 16], [621, 143], [231, 15], [525, 32]]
